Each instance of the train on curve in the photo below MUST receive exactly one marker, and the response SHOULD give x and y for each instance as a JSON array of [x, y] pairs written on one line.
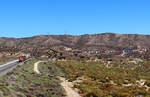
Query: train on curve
[[25, 57]]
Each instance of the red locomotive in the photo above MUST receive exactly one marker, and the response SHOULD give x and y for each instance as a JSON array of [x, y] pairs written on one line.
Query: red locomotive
[[26, 56], [22, 58]]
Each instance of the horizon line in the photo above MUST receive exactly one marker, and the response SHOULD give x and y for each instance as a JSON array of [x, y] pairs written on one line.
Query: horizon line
[[74, 34]]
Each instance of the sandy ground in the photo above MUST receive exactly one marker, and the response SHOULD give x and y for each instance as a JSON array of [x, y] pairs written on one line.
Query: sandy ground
[[36, 67], [69, 91]]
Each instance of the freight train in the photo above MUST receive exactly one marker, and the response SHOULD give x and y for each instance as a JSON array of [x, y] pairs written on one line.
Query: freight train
[[25, 57]]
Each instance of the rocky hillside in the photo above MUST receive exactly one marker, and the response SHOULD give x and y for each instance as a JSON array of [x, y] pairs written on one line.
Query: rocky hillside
[[95, 41]]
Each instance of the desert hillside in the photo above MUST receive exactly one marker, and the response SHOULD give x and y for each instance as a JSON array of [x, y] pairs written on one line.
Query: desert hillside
[[95, 41]]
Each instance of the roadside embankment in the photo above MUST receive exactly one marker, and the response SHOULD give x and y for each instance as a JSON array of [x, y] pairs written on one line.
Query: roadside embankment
[[24, 82]]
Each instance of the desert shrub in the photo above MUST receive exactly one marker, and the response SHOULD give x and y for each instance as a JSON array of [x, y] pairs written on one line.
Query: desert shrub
[[147, 83], [90, 95], [21, 95], [97, 77]]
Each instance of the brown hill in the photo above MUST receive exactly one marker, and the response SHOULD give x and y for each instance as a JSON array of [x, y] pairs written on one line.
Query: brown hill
[[96, 41]]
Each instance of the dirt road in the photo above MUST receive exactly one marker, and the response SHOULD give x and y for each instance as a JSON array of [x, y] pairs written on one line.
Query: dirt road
[[36, 67], [65, 84], [69, 91]]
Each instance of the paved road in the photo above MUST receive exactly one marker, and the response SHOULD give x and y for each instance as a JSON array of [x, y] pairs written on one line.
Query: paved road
[[5, 68]]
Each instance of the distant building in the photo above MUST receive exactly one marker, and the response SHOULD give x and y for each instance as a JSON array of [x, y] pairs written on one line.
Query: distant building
[[143, 50], [128, 51], [68, 49], [102, 51]]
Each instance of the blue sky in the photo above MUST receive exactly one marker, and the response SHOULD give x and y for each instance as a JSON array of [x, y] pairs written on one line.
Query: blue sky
[[23, 18]]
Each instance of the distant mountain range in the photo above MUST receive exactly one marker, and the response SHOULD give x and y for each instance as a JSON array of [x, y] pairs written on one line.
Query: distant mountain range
[[109, 41]]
